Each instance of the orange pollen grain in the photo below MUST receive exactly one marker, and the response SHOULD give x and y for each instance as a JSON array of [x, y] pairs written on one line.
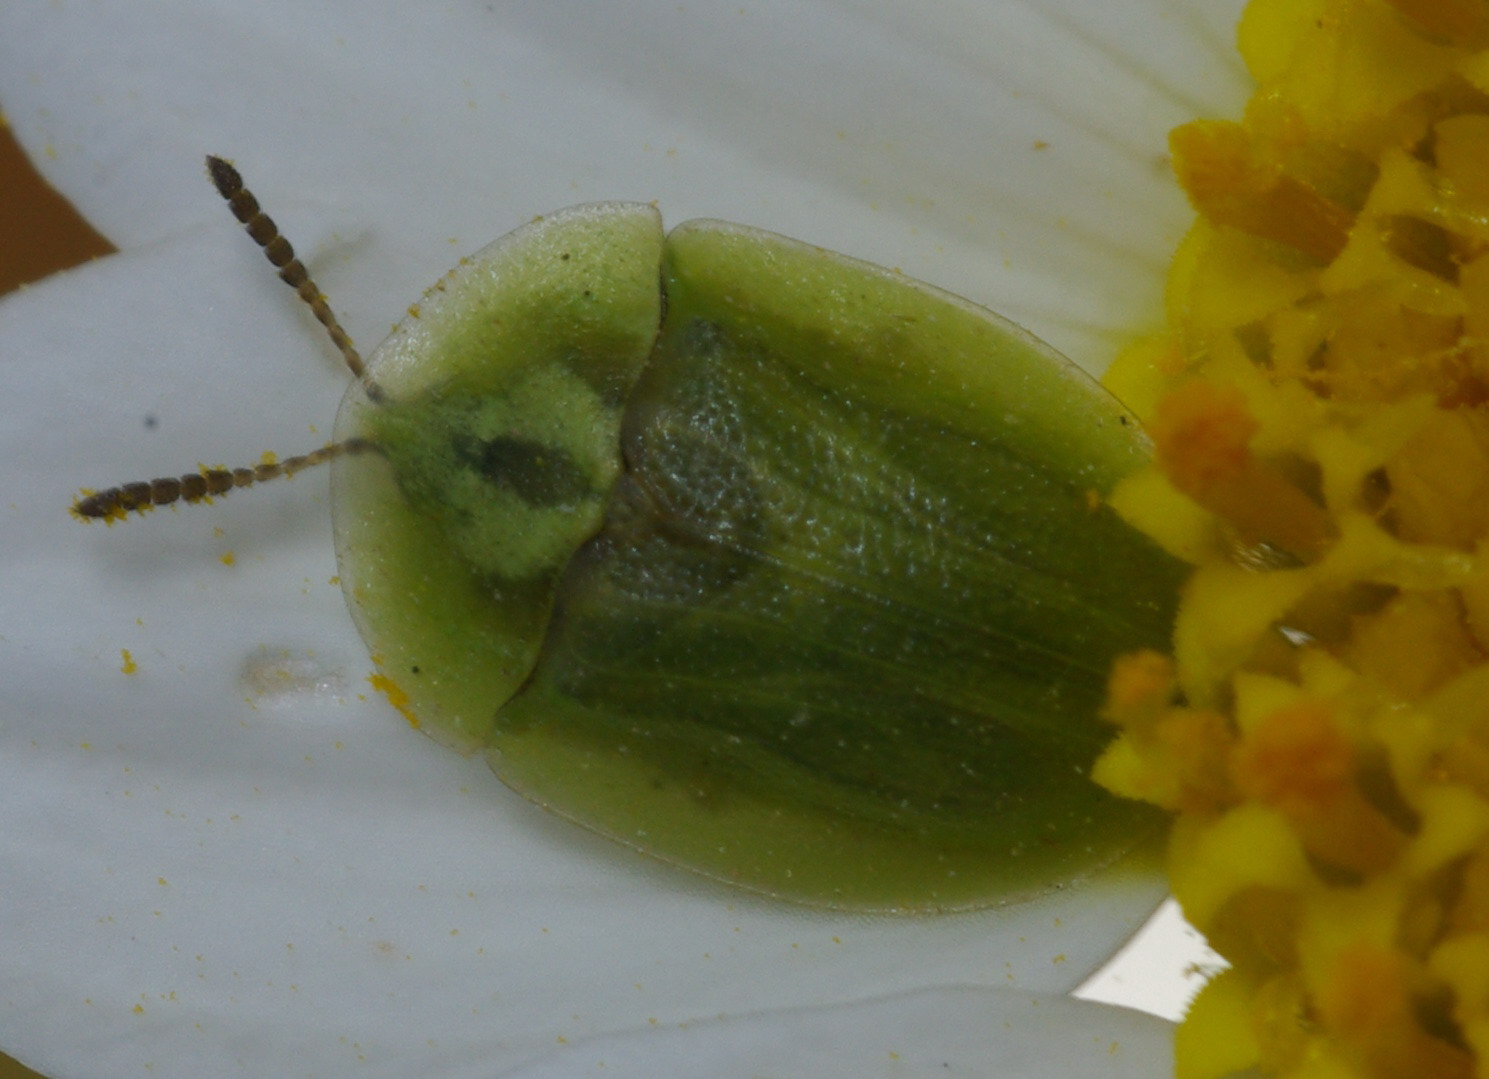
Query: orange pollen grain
[[1296, 757], [1200, 744], [395, 696], [1231, 183], [1299, 761], [1366, 991], [1366, 1004], [1203, 434], [1139, 683]]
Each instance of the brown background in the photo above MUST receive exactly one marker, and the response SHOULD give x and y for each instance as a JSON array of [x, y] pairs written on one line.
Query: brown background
[[39, 234]]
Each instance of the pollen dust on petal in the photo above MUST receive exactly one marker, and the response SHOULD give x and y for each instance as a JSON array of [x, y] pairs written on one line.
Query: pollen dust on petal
[[394, 694]]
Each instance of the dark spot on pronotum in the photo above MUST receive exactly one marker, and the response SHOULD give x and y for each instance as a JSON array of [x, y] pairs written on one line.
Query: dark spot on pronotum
[[539, 474], [151, 423]]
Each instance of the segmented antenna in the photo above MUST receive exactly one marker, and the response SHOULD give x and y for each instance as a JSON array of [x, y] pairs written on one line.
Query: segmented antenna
[[265, 233], [116, 502]]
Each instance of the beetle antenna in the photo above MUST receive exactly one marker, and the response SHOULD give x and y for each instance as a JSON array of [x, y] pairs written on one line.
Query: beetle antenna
[[265, 233], [117, 502]]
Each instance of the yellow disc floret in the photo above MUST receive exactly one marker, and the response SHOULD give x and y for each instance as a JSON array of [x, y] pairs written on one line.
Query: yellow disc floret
[[1319, 405]]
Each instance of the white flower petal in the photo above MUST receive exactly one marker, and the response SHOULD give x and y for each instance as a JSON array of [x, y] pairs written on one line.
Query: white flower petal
[[901, 133], [233, 858], [936, 1033]]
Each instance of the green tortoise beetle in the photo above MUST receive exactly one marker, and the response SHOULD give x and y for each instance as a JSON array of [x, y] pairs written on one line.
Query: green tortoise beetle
[[768, 562]]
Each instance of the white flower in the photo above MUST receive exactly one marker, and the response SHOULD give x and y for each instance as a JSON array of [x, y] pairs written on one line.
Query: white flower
[[237, 859]]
